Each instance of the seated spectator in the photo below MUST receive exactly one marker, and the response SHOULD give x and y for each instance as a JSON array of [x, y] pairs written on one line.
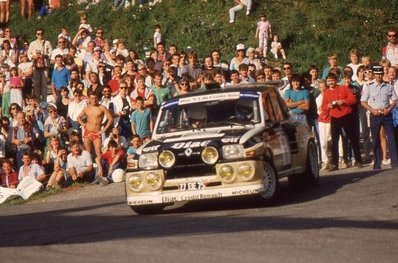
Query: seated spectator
[[276, 48], [59, 176], [31, 169], [9, 177], [51, 153], [115, 135], [111, 160], [55, 125], [79, 164], [238, 7]]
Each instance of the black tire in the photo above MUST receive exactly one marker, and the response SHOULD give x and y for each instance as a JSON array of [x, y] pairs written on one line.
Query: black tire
[[312, 165], [270, 182], [147, 209]]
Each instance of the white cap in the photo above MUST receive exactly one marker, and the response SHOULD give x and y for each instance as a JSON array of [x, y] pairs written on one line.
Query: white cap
[[240, 47], [115, 41]]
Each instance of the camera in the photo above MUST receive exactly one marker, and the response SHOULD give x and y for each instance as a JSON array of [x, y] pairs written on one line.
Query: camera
[[334, 104]]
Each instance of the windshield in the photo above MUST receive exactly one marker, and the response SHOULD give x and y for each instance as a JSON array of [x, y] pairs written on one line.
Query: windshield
[[209, 111]]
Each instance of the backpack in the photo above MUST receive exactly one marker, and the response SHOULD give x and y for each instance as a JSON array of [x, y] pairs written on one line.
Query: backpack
[[395, 116]]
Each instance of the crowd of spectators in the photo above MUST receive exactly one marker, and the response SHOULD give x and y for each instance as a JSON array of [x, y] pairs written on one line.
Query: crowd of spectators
[[50, 91]]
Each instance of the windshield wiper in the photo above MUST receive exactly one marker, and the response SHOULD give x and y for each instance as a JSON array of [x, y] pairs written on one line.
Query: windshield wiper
[[229, 123]]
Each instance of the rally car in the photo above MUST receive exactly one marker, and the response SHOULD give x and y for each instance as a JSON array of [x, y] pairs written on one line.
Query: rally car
[[220, 143]]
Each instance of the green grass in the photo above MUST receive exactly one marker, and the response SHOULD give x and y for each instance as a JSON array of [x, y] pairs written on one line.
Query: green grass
[[310, 30]]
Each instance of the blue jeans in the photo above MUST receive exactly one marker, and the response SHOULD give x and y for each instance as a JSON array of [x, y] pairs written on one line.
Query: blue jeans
[[375, 125]]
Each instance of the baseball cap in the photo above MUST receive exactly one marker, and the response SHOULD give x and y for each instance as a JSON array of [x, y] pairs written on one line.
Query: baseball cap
[[240, 47], [97, 48]]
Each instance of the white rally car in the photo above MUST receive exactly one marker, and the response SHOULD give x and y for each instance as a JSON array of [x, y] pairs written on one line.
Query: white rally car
[[220, 143]]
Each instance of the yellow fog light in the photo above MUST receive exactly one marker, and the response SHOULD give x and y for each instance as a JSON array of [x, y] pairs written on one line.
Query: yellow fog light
[[135, 182], [210, 155], [154, 181], [166, 159], [245, 171], [226, 172]]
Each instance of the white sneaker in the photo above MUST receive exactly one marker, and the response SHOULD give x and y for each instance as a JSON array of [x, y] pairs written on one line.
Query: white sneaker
[[248, 12], [231, 21], [386, 161]]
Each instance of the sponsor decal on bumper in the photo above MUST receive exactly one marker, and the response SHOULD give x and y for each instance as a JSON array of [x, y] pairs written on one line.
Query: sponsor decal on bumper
[[159, 198]]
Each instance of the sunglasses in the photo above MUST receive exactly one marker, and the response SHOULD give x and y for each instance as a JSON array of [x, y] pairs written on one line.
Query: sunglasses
[[286, 68], [13, 108], [51, 111], [392, 35], [122, 87], [61, 42], [100, 33], [184, 84], [39, 34]]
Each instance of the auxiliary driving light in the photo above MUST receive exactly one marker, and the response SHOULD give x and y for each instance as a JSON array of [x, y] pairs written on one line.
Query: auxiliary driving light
[[167, 159], [154, 181], [226, 172], [245, 171], [210, 155], [136, 183]]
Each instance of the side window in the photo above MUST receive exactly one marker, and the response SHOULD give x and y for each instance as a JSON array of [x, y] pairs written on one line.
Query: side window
[[267, 104], [274, 105]]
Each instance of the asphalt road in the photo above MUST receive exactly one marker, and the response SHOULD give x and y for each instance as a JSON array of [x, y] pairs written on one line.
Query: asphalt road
[[352, 216]]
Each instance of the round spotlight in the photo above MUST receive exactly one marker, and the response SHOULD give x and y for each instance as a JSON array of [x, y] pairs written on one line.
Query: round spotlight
[[154, 181], [226, 172], [167, 159], [245, 171], [210, 155], [136, 183]]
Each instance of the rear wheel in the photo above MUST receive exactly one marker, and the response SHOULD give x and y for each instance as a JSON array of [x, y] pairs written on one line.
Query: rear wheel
[[312, 165], [270, 182]]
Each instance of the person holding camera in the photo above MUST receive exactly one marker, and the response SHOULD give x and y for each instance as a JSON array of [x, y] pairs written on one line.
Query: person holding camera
[[338, 100], [39, 52]]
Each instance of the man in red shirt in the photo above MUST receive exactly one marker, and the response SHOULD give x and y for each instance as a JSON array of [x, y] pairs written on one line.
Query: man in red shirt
[[338, 100]]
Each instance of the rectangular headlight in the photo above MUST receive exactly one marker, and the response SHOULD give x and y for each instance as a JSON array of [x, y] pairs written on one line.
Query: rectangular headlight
[[148, 160], [233, 151]]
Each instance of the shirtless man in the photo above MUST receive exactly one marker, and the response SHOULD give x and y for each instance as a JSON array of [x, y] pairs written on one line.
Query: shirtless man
[[94, 113]]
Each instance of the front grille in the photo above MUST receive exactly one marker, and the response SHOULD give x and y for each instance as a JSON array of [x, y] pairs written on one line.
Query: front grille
[[190, 171]]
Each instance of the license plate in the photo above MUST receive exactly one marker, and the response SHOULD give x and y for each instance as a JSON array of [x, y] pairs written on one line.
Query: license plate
[[191, 186]]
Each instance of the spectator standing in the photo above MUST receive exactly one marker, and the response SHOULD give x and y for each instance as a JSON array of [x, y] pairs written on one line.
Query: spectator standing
[[141, 120], [332, 60], [27, 5], [16, 85], [338, 100], [75, 107], [354, 62], [59, 50], [297, 100], [238, 7], [390, 51], [39, 52], [60, 77], [157, 36], [379, 99], [263, 33], [323, 125], [25, 70]]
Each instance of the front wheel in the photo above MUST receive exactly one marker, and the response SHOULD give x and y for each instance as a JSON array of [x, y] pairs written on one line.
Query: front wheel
[[270, 182]]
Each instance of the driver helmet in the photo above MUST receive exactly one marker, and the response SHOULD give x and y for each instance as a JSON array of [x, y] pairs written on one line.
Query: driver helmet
[[244, 110]]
